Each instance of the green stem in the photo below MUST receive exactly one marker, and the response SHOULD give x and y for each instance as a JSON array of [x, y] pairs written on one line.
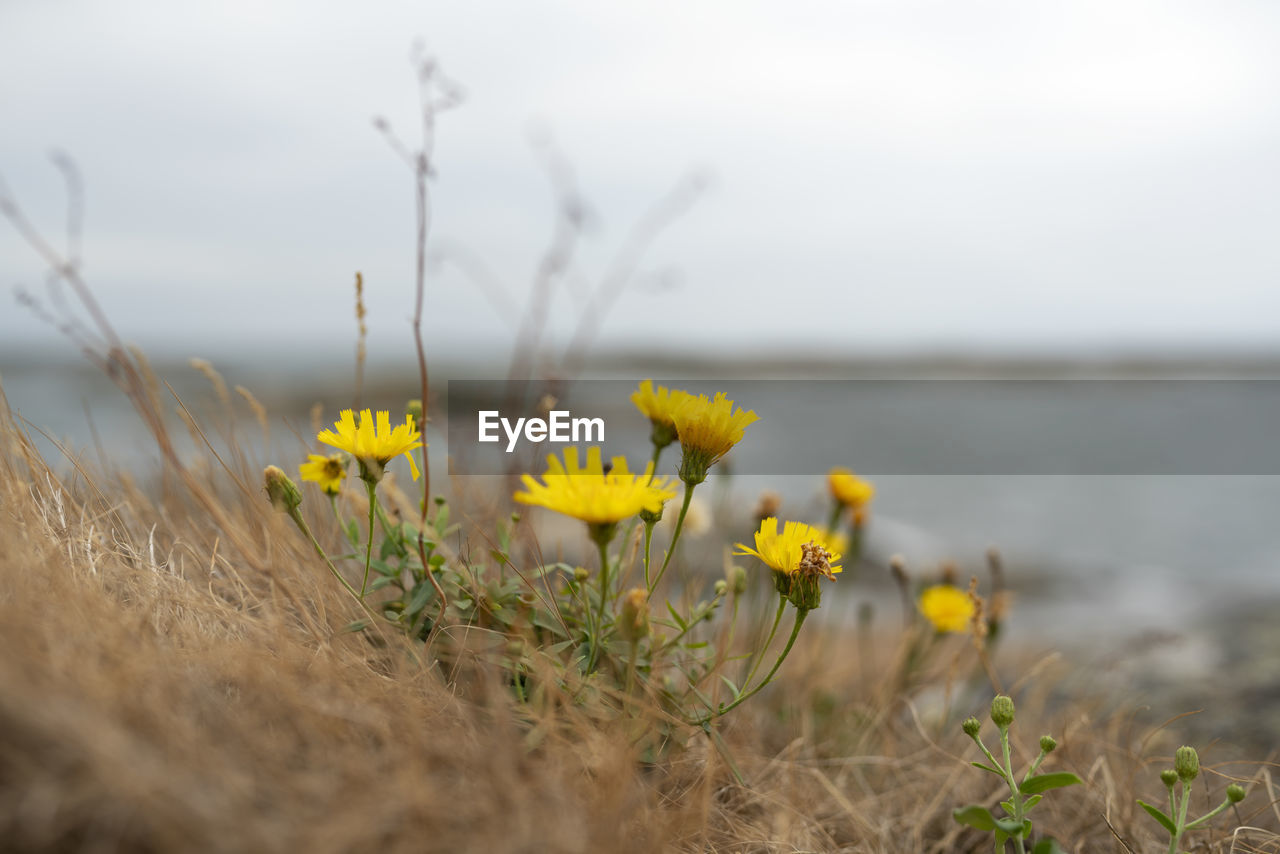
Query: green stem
[[834, 520], [759, 657], [296, 516], [368, 552], [675, 536], [1213, 814], [631, 667], [648, 540], [801, 614], [1015, 797], [604, 595], [657, 452], [1180, 821]]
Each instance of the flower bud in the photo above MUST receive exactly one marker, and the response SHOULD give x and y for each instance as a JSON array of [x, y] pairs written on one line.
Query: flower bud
[[971, 726], [1168, 776], [413, 409], [739, 581], [580, 574], [633, 622], [282, 492], [1235, 793], [1048, 744], [722, 587], [1002, 711], [652, 517], [1186, 763]]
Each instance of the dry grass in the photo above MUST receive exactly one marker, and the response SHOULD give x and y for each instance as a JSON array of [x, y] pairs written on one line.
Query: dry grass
[[175, 678]]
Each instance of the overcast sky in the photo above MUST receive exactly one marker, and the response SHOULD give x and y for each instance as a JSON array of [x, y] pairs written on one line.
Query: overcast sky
[[886, 175]]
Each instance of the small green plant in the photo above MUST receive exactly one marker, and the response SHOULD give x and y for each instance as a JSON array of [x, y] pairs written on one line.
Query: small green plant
[[1023, 796], [1186, 767]]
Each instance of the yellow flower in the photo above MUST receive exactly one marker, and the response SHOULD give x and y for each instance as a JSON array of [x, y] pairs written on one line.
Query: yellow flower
[[374, 446], [592, 495], [785, 552], [327, 471], [800, 555], [833, 541], [849, 489], [707, 430], [658, 406], [949, 608]]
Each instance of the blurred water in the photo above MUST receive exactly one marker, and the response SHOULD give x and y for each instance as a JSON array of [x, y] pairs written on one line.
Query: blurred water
[[1106, 551]]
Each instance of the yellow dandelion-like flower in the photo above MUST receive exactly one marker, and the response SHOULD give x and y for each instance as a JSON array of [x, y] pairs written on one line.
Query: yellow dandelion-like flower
[[949, 608], [849, 489], [707, 429], [659, 405], [373, 444], [328, 472], [592, 495], [799, 556], [833, 541], [785, 551]]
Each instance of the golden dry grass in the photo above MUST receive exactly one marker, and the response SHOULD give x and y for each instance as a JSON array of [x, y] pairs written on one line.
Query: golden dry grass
[[174, 678]]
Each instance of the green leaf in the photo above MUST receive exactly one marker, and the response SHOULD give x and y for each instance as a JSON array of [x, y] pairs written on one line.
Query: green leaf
[[1165, 821], [675, 615], [1013, 827], [353, 532], [357, 626], [421, 595], [1045, 782], [732, 687], [1008, 806], [1048, 845], [975, 816], [986, 767], [442, 517], [384, 569], [383, 581], [1031, 802]]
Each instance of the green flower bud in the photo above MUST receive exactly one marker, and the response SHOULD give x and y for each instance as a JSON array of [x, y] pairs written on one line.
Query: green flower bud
[[722, 587], [651, 518], [580, 574], [804, 593], [413, 409], [1186, 763], [1235, 793], [1169, 777], [1002, 711], [1048, 744], [663, 434], [971, 727], [739, 581], [282, 492]]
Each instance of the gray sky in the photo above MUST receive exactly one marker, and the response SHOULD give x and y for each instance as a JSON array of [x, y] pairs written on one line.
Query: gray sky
[[887, 175]]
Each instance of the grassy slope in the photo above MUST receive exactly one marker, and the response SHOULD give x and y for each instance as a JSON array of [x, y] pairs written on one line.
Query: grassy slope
[[173, 678]]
